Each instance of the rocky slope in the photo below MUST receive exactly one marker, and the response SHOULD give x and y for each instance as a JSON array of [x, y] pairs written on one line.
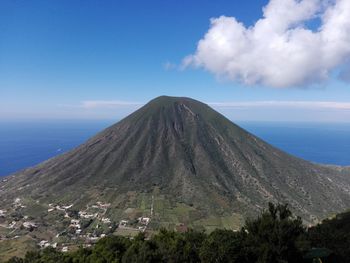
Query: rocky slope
[[187, 163]]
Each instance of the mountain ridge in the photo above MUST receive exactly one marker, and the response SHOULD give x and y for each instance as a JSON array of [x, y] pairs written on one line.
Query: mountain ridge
[[198, 166]]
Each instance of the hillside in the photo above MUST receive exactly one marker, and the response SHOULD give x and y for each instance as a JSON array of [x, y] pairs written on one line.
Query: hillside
[[177, 162]]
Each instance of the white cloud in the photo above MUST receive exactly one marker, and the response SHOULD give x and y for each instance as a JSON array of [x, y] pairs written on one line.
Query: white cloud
[[315, 105], [102, 104], [266, 110], [169, 66], [279, 50], [94, 104]]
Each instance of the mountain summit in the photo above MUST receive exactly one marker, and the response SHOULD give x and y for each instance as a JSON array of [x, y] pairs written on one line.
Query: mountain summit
[[178, 161]]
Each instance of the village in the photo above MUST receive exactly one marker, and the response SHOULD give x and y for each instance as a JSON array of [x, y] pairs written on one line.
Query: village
[[79, 227]]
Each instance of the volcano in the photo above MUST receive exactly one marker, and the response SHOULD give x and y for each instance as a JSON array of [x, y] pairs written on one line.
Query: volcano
[[178, 161]]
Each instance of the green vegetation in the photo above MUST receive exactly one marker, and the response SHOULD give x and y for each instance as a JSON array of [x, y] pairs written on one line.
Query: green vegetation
[[333, 234], [183, 166], [275, 236], [201, 169], [16, 247]]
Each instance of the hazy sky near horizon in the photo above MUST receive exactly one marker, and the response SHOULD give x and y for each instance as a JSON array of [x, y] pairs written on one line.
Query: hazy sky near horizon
[[251, 60]]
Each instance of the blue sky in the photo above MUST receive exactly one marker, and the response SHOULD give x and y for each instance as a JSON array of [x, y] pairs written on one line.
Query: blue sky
[[103, 59]]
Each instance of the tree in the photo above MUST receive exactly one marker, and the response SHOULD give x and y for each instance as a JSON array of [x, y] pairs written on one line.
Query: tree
[[51, 255], [273, 236], [225, 246], [32, 257], [334, 235], [193, 241], [142, 251], [15, 260], [109, 249]]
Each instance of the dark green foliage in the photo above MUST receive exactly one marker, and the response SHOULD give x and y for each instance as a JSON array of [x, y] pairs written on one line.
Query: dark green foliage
[[274, 237], [51, 255], [32, 256], [109, 249], [73, 214], [270, 238], [85, 223], [48, 255], [80, 256], [333, 234], [225, 246], [142, 251], [15, 260], [177, 247], [193, 243]]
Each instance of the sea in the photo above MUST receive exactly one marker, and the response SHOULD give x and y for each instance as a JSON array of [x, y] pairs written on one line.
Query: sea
[[25, 144]]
